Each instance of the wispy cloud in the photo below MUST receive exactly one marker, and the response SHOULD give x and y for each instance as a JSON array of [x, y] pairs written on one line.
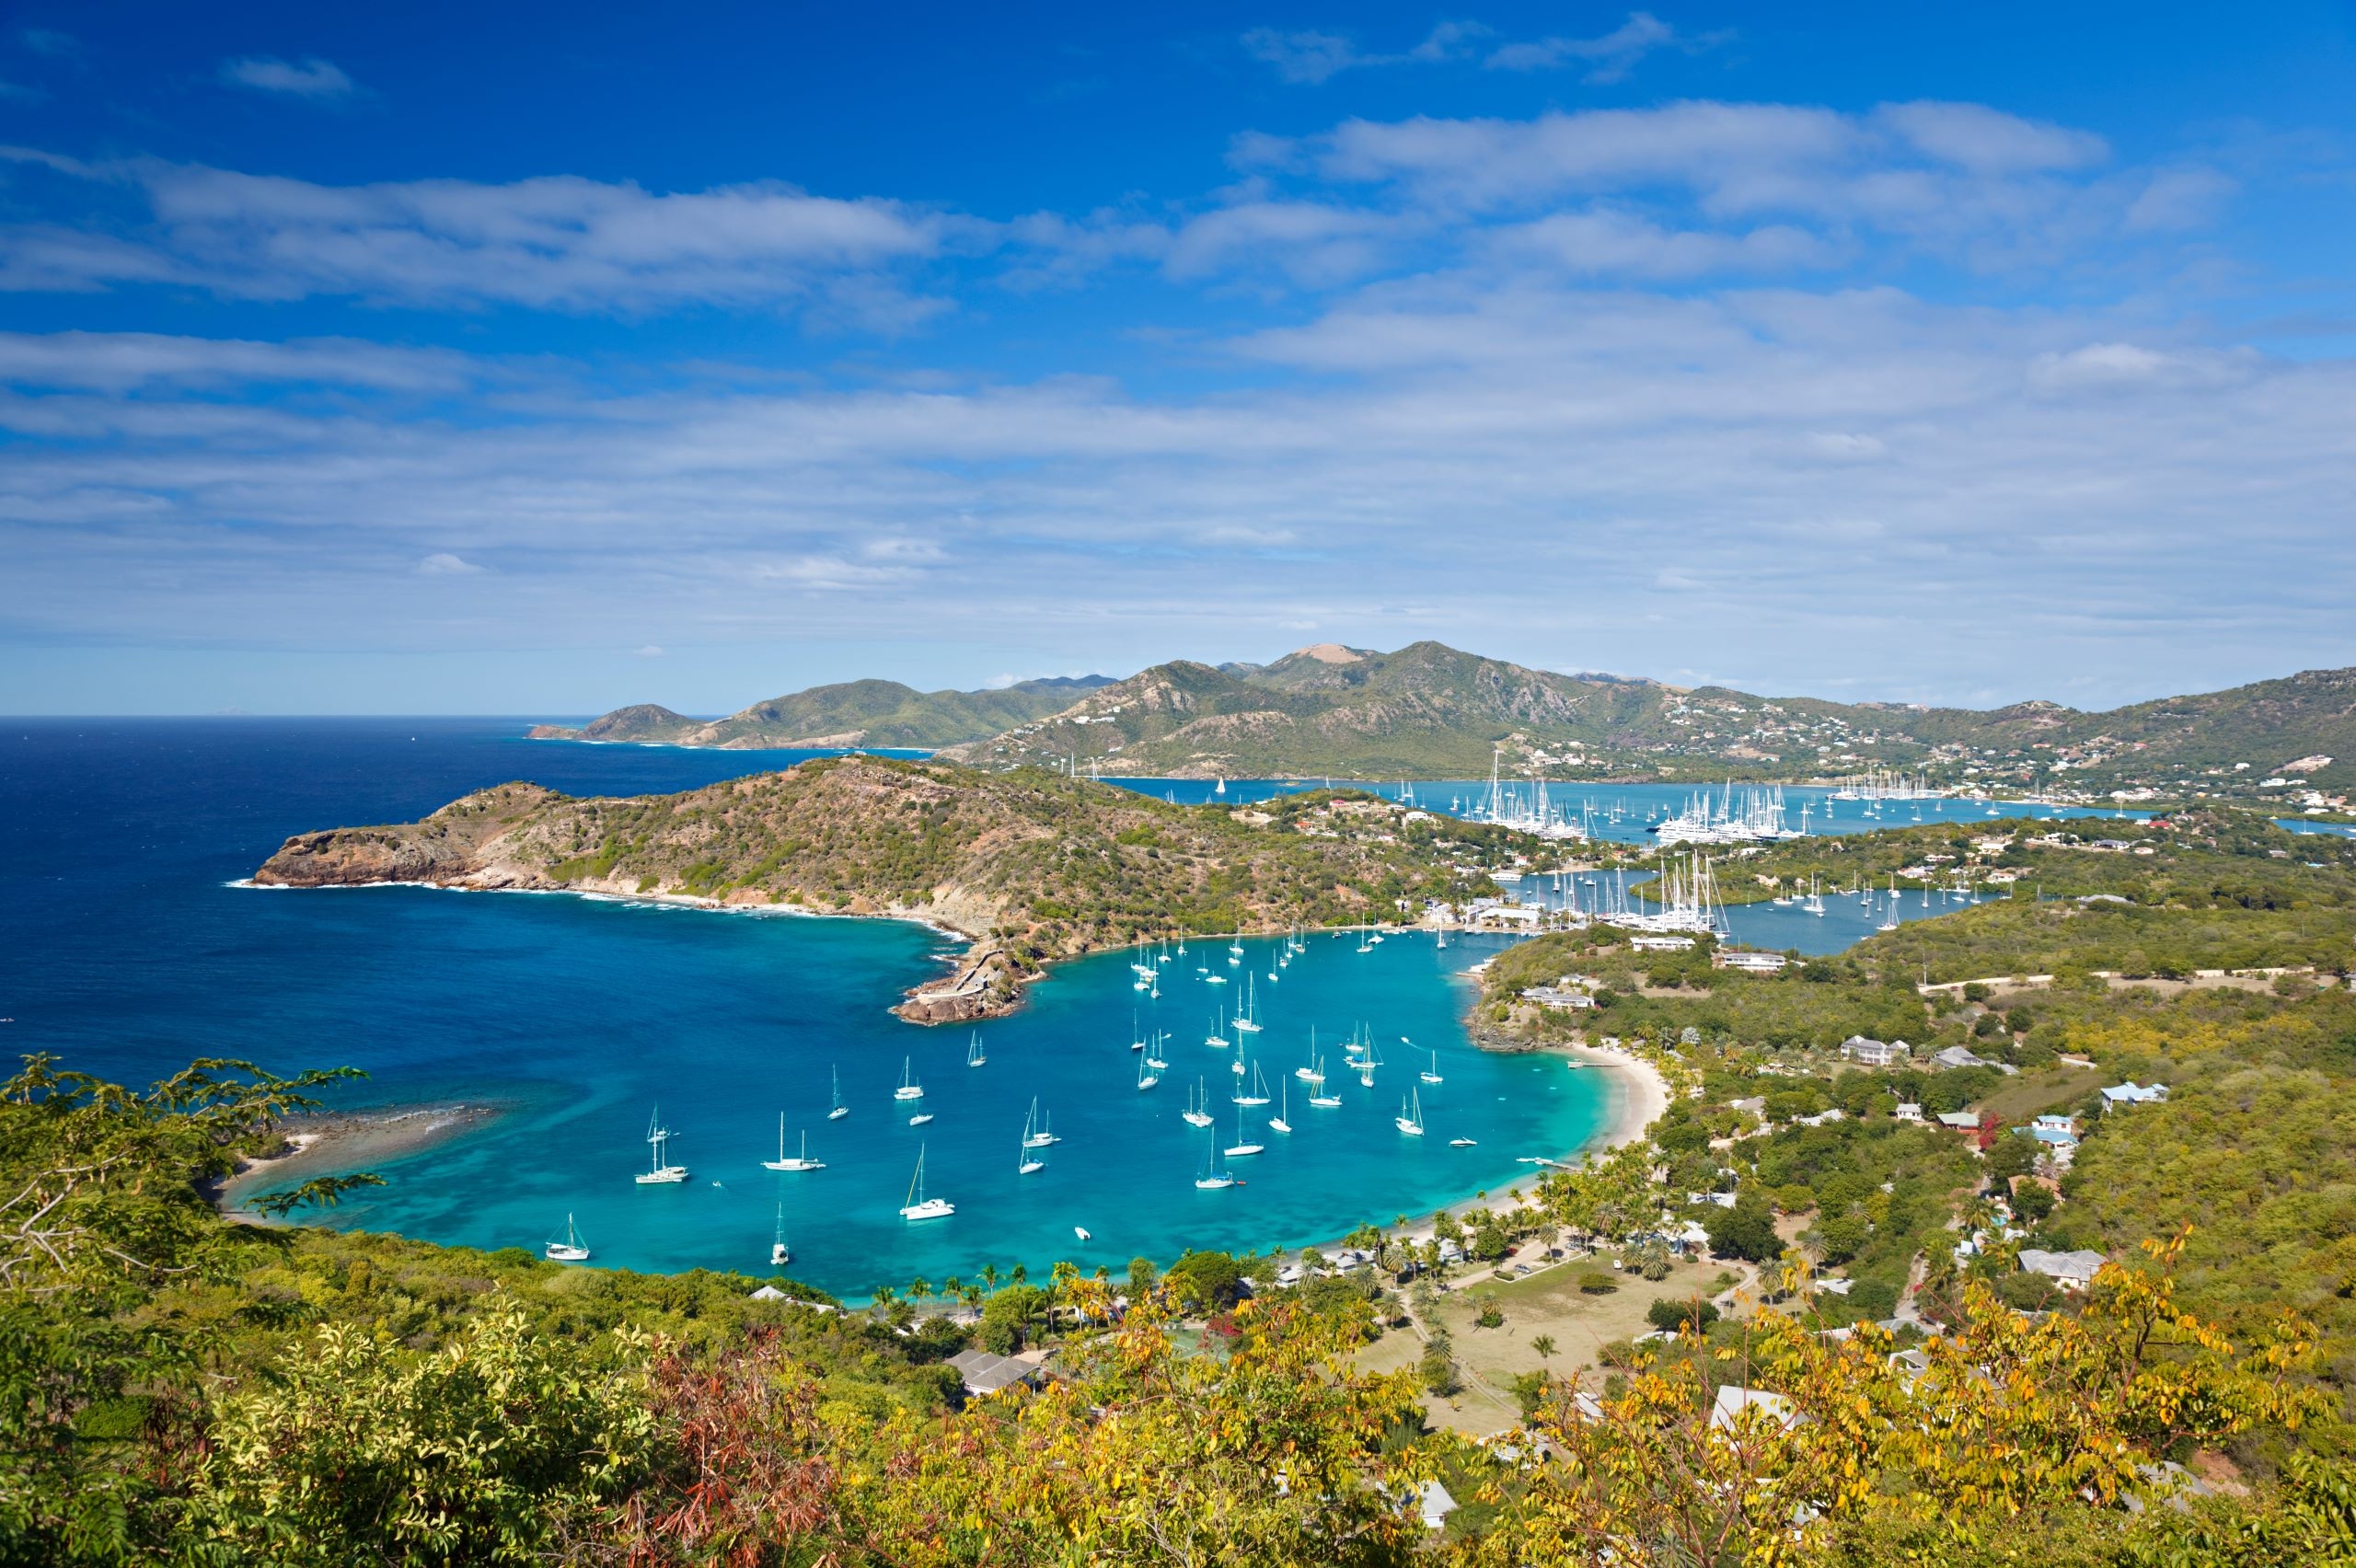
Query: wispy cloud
[[318, 80], [1608, 57], [1314, 55], [557, 243], [442, 564]]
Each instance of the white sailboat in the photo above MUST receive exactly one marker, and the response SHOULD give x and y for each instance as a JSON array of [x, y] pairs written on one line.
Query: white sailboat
[[1461, 1143], [1028, 1160], [1214, 1175], [909, 1087], [571, 1250], [779, 1255], [1432, 1074], [1243, 1145], [1411, 1123], [1281, 1121], [920, 1119], [918, 1206], [1197, 1100], [973, 1056], [1147, 1079], [1324, 1101], [1217, 1039], [1367, 1063], [1313, 1071], [1043, 1136], [661, 1172], [1248, 1021], [785, 1161], [1153, 1053], [1258, 1093], [836, 1111]]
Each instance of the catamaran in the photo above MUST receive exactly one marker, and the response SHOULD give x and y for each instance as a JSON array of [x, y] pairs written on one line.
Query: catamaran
[[918, 1206], [1241, 1146], [909, 1087], [838, 1110], [1197, 1100], [1432, 1075], [1280, 1122], [778, 1255], [661, 1172], [785, 1161], [1411, 1123], [1248, 1021], [571, 1250], [1258, 1093], [973, 1056]]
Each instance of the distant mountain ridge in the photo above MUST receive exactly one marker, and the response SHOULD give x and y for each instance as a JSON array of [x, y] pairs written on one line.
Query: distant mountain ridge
[[852, 713], [1429, 710]]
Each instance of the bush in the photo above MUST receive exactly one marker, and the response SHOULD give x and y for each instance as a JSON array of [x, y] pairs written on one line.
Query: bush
[[1675, 1317], [1746, 1231], [1491, 1315]]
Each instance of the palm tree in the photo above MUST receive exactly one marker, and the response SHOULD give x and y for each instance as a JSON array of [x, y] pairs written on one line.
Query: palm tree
[[952, 1286], [989, 1276], [1019, 1274], [918, 1288], [1543, 1345]]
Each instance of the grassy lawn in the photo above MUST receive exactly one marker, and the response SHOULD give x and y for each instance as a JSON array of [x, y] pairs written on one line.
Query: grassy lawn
[[1549, 1303], [2041, 1089]]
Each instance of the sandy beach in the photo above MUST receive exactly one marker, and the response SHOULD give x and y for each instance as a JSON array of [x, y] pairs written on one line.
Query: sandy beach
[[349, 1140]]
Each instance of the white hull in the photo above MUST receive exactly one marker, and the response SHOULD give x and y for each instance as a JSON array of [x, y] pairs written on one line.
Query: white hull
[[796, 1164], [1242, 1150], [931, 1208], [669, 1175]]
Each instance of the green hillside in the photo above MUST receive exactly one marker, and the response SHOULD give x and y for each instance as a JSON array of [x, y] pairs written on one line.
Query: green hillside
[[852, 713]]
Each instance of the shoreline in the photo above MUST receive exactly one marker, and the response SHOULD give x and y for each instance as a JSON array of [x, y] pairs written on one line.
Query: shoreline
[[325, 1141]]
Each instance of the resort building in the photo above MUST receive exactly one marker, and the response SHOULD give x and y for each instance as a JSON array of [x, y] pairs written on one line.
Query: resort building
[[2071, 1271], [1751, 962], [2133, 1093], [1876, 1052]]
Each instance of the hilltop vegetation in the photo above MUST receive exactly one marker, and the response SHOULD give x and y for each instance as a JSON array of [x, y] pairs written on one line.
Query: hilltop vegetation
[[854, 713], [1031, 865], [1432, 711]]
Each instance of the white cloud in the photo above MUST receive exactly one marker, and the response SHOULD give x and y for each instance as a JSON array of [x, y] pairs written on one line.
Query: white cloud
[[1609, 58], [1308, 57], [2183, 198], [1845, 446], [1601, 241], [1308, 241], [320, 80], [121, 360], [442, 564], [556, 243], [1988, 141], [652, 651]]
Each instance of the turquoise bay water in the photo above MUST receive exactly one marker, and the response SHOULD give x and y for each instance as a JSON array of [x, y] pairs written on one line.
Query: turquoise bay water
[[125, 950]]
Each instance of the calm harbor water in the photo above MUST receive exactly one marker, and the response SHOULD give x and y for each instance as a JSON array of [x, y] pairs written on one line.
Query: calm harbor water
[[125, 950]]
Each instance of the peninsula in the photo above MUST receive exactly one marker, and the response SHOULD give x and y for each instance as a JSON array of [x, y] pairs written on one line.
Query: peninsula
[[1027, 865]]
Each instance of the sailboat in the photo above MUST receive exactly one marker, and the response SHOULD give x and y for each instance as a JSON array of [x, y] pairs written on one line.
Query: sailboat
[[1461, 1143], [1311, 1072], [571, 1250], [1258, 1094], [1248, 1021], [1197, 1100], [785, 1161], [1411, 1123], [918, 1206], [1432, 1075], [1367, 1063], [1281, 1121], [838, 1110], [1153, 1053], [1214, 1175], [1216, 1038], [1891, 923], [1042, 1137], [779, 1255], [1028, 1162], [973, 1056], [920, 1119], [661, 1172], [1137, 1041], [1322, 1101], [909, 1087], [1240, 1148], [1147, 1079]]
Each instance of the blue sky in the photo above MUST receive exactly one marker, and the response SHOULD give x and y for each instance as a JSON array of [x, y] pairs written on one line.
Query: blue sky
[[536, 359]]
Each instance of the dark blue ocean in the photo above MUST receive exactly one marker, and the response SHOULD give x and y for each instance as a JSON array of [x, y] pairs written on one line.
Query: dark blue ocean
[[126, 949]]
